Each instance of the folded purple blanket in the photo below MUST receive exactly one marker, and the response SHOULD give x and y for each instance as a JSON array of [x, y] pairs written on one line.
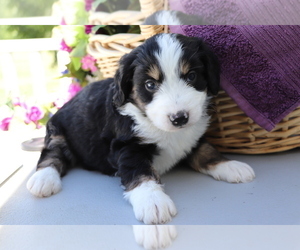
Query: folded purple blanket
[[260, 67], [242, 12]]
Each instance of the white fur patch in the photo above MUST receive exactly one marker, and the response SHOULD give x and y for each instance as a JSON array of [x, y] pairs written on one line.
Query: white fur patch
[[154, 236], [169, 54], [44, 182], [166, 17], [232, 171], [173, 146], [150, 203]]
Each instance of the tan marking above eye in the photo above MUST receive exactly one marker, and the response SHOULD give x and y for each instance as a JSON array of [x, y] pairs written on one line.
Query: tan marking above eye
[[154, 72], [185, 67]]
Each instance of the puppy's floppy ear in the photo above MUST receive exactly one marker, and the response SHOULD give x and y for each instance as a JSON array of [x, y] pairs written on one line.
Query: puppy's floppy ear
[[212, 69], [123, 79]]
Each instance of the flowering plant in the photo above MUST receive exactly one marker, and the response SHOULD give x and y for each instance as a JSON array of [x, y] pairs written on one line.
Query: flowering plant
[[81, 65], [80, 70], [18, 111]]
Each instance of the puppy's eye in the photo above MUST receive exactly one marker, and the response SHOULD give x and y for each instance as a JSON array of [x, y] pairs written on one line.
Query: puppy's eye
[[191, 76], [150, 85]]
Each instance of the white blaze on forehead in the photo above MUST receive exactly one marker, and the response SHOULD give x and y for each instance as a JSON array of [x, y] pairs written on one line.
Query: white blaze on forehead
[[174, 94], [169, 55]]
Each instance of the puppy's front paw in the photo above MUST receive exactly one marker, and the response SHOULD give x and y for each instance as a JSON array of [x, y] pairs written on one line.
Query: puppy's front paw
[[154, 236], [232, 171], [44, 182], [150, 204]]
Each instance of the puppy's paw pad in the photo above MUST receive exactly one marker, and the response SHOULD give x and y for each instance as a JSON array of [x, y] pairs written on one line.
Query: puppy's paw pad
[[44, 182], [233, 171], [154, 237]]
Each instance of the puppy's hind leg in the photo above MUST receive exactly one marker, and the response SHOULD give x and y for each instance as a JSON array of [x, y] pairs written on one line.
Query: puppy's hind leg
[[52, 164], [207, 160]]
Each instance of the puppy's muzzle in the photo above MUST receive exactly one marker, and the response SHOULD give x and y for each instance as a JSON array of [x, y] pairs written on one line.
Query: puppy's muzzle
[[179, 119]]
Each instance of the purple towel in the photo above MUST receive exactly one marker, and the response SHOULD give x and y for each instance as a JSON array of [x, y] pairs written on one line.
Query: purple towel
[[260, 67], [242, 12]]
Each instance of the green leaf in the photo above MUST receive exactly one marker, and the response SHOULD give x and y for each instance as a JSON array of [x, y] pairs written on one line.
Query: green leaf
[[76, 61], [81, 33], [81, 16], [80, 49], [9, 104], [46, 117], [80, 74]]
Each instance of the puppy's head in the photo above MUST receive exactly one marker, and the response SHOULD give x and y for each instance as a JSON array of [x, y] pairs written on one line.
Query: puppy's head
[[168, 78]]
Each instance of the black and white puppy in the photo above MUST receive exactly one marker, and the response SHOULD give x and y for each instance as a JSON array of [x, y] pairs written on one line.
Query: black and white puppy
[[138, 125]]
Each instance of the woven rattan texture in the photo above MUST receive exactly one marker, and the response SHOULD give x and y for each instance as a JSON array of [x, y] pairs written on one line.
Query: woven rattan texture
[[232, 131]]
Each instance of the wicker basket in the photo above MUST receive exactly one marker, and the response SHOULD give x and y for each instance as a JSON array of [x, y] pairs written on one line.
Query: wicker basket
[[109, 49], [127, 17], [231, 130]]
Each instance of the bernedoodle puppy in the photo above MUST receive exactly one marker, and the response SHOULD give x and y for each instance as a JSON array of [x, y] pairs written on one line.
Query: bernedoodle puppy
[[138, 125]]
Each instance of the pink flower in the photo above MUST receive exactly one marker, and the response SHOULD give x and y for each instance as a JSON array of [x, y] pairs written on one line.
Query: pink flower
[[4, 124], [88, 4], [88, 28], [74, 88], [16, 101], [64, 46], [63, 22], [88, 63], [33, 114]]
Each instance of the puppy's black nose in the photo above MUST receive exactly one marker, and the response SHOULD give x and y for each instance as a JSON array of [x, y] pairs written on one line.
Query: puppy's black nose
[[179, 119]]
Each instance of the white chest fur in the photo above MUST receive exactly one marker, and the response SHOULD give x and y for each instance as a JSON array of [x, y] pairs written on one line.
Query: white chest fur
[[173, 146]]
